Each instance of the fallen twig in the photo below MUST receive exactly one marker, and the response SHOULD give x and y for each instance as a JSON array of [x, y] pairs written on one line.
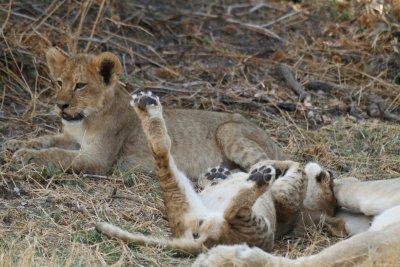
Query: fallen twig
[[254, 27], [317, 85], [291, 81], [251, 10], [314, 118], [96, 176], [375, 111], [281, 18], [287, 106], [249, 26], [354, 112]]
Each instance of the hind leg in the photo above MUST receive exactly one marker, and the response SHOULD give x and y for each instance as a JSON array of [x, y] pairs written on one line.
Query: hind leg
[[177, 192], [245, 145]]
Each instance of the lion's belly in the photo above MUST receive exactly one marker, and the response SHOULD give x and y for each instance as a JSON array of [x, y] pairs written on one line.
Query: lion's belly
[[217, 198]]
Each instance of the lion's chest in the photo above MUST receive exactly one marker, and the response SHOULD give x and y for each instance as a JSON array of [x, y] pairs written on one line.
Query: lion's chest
[[77, 132]]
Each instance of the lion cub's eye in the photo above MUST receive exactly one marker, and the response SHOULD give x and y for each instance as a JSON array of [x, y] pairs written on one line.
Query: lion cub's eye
[[59, 83], [79, 86]]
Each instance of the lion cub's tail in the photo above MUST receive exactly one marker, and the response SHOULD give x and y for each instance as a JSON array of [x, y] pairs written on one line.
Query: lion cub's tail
[[183, 245]]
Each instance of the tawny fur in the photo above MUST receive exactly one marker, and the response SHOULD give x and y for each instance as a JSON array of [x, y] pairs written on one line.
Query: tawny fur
[[110, 131], [378, 245], [193, 218], [235, 210]]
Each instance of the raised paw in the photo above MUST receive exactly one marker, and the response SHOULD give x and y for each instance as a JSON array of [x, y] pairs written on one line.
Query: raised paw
[[142, 100], [262, 175], [13, 145], [25, 156]]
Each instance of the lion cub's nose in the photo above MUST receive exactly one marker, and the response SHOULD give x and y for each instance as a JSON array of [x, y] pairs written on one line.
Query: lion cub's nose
[[62, 106]]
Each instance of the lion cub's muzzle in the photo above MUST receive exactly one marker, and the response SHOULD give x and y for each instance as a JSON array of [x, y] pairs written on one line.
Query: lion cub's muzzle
[[61, 108], [77, 117]]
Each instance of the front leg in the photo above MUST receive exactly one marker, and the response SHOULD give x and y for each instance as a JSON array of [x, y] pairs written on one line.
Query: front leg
[[46, 157], [47, 141], [177, 192], [247, 225], [80, 161], [259, 180], [288, 194]]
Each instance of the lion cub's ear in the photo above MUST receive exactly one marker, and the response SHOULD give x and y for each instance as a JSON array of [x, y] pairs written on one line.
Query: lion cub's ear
[[324, 176], [55, 62], [108, 66]]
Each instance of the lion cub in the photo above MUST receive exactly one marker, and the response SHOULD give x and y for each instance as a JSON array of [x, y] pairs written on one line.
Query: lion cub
[[233, 208], [375, 243], [99, 127]]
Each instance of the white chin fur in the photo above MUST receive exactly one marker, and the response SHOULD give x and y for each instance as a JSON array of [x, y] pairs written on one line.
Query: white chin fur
[[65, 122], [312, 169]]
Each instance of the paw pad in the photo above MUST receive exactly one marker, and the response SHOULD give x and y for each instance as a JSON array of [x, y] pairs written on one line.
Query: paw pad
[[144, 99], [217, 173], [262, 175]]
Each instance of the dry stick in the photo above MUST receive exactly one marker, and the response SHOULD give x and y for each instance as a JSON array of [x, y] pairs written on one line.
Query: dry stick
[[291, 81], [119, 23], [229, 9], [8, 16], [130, 51], [95, 176], [353, 112], [326, 86], [254, 27], [20, 15], [95, 25], [375, 111], [42, 21], [249, 26], [383, 82], [281, 18], [251, 10], [24, 84], [136, 41], [74, 40], [257, 7]]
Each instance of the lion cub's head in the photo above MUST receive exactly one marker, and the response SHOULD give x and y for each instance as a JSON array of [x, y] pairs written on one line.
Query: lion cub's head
[[83, 81], [319, 194]]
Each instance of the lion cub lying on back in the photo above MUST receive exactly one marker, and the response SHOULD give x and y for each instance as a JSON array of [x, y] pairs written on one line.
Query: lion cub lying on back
[[371, 210], [99, 126], [232, 208]]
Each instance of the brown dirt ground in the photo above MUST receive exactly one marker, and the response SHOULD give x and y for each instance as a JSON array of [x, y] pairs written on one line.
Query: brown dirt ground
[[201, 54]]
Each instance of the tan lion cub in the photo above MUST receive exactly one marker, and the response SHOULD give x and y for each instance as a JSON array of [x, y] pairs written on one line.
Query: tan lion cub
[[99, 127], [375, 243], [233, 208]]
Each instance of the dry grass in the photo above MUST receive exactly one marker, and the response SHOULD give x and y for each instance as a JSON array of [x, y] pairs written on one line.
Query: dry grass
[[197, 54]]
